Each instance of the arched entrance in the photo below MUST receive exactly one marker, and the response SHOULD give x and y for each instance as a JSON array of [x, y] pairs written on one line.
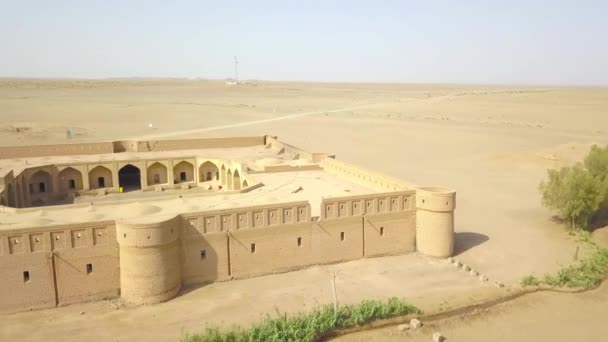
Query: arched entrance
[[208, 172], [183, 172], [70, 180], [40, 183], [157, 174], [100, 177], [129, 178]]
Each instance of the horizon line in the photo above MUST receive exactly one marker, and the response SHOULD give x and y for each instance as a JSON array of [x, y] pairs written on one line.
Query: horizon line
[[155, 78]]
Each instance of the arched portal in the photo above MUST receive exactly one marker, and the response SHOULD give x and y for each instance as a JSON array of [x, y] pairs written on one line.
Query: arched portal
[[10, 194], [183, 172], [129, 178], [229, 180], [245, 184], [208, 172], [40, 183], [236, 180], [157, 174], [70, 180], [100, 177]]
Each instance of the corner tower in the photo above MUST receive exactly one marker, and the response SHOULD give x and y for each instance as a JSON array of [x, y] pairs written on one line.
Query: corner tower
[[435, 221], [150, 268]]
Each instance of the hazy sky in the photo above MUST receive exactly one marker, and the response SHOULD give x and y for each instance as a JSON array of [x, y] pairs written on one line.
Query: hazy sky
[[540, 42]]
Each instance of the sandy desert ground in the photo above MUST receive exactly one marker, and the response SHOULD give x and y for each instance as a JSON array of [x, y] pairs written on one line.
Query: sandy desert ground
[[490, 143]]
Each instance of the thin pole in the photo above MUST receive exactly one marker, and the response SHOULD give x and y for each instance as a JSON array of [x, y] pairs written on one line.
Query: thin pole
[[236, 70], [333, 283]]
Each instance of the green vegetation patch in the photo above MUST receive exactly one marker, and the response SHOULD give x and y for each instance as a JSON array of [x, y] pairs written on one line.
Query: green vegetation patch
[[586, 273], [309, 326]]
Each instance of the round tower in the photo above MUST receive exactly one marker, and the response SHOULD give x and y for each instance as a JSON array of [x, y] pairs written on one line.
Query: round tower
[[435, 221], [150, 270]]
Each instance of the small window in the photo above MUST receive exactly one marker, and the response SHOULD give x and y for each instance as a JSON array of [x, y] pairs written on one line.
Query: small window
[[41, 187], [101, 182], [381, 231], [157, 179], [203, 254], [72, 184], [182, 176], [217, 175], [26, 276], [208, 176], [299, 242], [89, 268], [341, 236], [253, 248]]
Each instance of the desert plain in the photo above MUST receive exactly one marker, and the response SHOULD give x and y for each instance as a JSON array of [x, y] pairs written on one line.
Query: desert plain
[[492, 144]]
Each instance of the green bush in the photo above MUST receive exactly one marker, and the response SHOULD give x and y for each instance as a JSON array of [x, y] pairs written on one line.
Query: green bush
[[578, 192], [308, 326], [585, 273], [530, 281]]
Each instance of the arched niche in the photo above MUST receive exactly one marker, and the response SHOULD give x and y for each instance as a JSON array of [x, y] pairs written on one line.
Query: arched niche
[[157, 174]]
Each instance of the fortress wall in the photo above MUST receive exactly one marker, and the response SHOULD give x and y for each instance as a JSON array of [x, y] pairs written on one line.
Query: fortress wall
[[9, 152], [362, 176], [185, 144], [277, 144], [86, 263], [386, 221], [337, 240], [212, 240], [204, 255], [204, 258], [266, 250], [17, 293], [389, 234], [37, 278], [290, 168]]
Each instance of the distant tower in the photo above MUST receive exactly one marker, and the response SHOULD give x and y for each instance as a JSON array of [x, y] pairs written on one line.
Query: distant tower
[[236, 70]]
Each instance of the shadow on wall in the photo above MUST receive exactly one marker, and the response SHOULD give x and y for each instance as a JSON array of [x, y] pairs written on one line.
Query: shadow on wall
[[463, 241]]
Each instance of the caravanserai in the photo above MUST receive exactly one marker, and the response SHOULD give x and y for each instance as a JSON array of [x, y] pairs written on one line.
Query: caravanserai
[[140, 220]]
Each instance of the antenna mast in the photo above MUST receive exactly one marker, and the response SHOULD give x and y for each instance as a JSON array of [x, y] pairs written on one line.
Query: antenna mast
[[236, 70]]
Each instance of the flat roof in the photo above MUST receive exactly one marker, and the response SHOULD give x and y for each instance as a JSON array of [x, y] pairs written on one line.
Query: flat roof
[[146, 207]]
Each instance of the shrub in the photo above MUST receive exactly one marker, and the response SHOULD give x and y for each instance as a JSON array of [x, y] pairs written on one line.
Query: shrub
[[308, 326], [530, 281]]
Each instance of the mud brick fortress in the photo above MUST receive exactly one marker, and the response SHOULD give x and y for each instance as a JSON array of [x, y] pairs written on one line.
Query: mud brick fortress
[[141, 220]]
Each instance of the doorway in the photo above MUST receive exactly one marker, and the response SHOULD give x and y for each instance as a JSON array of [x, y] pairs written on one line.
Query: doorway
[[129, 178]]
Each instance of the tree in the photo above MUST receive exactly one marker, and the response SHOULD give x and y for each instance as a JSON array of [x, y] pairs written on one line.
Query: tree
[[579, 191]]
